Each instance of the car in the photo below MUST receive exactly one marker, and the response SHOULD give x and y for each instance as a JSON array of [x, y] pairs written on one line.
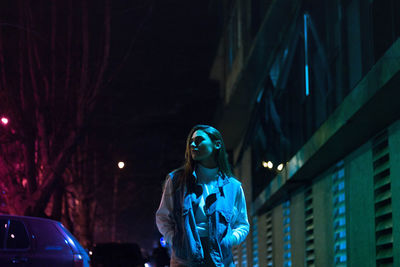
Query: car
[[117, 255], [32, 241]]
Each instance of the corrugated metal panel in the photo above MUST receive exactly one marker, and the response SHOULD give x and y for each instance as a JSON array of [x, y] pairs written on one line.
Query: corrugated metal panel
[[309, 227], [255, 241], [383, 200], [268, 219]]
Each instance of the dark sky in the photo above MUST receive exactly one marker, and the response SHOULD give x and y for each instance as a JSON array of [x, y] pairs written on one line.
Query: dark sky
[[161, 91], [153, 95]]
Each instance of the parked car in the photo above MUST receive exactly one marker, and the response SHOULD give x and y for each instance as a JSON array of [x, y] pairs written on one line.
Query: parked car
[[117, 255], [31, 241]]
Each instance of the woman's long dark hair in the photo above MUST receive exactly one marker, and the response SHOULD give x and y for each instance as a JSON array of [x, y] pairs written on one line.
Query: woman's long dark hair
[[186, 177]]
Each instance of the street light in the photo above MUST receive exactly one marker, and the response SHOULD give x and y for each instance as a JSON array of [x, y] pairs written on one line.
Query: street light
[[270, 165], [4, 120], [121, 164], [280, 167], [264, 164]]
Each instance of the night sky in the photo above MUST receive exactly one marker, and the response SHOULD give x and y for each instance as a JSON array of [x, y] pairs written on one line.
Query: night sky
[[154, 88], [162, 90]]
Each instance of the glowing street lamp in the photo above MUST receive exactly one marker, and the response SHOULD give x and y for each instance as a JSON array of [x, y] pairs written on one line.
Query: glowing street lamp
[[267, 164], [121, 164], [270, 165], [280, 167], [4, 120], [264, 164]]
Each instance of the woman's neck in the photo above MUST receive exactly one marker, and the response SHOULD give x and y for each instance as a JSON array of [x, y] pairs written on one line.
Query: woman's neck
[[209, 163], [204, 173]]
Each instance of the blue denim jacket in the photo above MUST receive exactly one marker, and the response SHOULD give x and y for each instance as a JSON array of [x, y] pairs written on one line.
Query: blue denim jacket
[[219, 209]]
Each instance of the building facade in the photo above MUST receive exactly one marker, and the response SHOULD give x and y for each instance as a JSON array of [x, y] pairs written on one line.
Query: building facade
[[310, 113]]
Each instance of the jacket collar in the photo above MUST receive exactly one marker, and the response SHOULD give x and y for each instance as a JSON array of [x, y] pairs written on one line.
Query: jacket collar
[[222, 178]]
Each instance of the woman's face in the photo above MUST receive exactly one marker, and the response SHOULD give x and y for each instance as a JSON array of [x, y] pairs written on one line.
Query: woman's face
[[202, 148]]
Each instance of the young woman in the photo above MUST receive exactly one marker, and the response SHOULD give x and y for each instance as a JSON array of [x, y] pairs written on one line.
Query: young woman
[[202, 213]]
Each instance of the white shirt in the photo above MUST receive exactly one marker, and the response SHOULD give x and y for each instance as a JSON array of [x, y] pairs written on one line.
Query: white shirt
[[208, 179]]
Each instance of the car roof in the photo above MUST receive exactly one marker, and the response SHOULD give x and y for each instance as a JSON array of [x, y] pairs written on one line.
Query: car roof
[[27, 218], [63, 231]]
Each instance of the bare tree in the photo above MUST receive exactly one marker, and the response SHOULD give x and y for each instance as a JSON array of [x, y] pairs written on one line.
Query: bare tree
[[54, 64], [51, 91]]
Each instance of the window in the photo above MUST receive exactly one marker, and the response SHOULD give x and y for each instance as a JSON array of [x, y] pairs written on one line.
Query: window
[[386, 25], [17, 237], [3, 231], [352, 14], [258, 11], [233, 38]]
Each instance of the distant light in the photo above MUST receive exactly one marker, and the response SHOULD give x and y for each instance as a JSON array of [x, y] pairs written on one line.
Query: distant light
[[12, 236], [280, 167], [265, 164], [270, 165], [163, 242], [147, 265], [90, 252], [121, 164], [4, 120]]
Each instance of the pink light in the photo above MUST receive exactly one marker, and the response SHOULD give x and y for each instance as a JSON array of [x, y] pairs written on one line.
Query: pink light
[[4, 120]]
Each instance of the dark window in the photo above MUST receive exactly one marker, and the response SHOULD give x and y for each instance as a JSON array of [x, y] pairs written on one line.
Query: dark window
[[386, 25], [233, 38], [255, 17], [3, 231], [17, 237], [49, 235], [258, 11]]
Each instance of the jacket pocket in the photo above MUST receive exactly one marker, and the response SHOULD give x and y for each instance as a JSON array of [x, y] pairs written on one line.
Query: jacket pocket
[[223, 223], [226, 244], [227, 215]]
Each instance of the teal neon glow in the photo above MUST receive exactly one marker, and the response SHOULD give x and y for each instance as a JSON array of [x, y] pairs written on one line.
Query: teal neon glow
[[307, 81], [287, 254], [306, 54], [339, 216]]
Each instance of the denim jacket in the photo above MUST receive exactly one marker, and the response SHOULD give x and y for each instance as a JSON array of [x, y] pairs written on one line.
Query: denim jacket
[[227, 222]]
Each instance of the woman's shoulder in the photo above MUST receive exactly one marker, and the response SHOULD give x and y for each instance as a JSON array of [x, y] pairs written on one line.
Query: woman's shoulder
[[175, 173]]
